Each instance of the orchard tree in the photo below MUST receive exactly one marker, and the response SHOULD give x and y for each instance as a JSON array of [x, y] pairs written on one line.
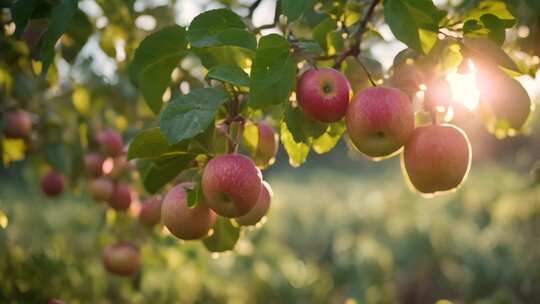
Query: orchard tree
[[195, 113]]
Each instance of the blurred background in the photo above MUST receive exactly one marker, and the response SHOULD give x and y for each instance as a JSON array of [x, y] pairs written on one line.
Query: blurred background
[[341, 229]]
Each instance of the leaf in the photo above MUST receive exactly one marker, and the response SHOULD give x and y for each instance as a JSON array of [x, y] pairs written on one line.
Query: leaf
[[231, 74], [293, 9], [158, 174], [58, 155], [297, 152], [484, 49], [76, 36], [497, 27], [497, 8], [321, 31], [308, 48], [225, 55], [224, 237], [303, 128], [189, 115], [414, 22], [60, 19], [154, 60], [195, 195], [150, 143], [273, 75], [329, 139]]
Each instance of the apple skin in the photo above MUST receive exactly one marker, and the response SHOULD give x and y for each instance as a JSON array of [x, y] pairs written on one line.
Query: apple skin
[[231, 185], [52, 183], [123, 259], [260, 209], [93, 162], [324, 94], [101, 189], [121, 198], [183, 222], [150, 213], [267, 146], [436, 158], [111, 141], [18, 124], [380, 120]]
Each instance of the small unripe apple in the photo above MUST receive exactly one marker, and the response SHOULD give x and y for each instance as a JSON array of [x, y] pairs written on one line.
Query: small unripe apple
[[182, 221], [260, 209], [323, 93], [101, 189], [52, 183], [231, 185], [18, 124], [121, 197], [267, 146], [111, 141], [379, 121], [93, 162], [123, 259], [436, 158], [150, 213]]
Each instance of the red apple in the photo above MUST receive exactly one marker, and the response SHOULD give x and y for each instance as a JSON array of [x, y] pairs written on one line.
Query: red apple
[[182, 221], [323, 93], [111, 141], [379, 121], [267, 146], [101, 189], [436, 158], [93, 163], [260, 209], [18, 124], [150, 213], [231, 185], [121, 197], [123, 259], [52, 183]]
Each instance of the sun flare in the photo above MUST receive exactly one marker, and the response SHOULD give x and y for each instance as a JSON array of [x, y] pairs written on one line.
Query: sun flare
[[464, 88]]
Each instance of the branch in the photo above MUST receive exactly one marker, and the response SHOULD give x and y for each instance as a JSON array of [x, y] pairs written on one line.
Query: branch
[[253, 7]]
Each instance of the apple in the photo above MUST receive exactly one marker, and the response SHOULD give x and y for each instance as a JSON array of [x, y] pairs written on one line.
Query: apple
[[18, 124], [231, 185], [121, 197], [436, 158], [379, 121], [323, 93], [101, 189], [123, 259], [267, 145], [111, 141], [260, 209], [150, 213], [52, 183], [93, 163], [182, 221], [56, 301]]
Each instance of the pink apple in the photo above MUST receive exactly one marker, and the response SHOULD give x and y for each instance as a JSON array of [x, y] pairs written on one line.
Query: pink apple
[[101, 189], [121, 197], [18, 124], [93, 163], [111, 141], [123, 259], [260, 209], [52, 183], [150, 213]]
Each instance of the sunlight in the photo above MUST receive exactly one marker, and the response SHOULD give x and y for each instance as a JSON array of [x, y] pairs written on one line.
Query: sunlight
[[463, 86]]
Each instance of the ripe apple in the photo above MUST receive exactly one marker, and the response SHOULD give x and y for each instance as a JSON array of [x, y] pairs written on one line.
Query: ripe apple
[[182, 221], [18, 124], [267, 146], [123, 259], [101, 189], [150, 213], [379, 121], [231, 185], [436, 158], [323, 93], [121, 197], [52, 183], [93, 162], [111, 141], [260, 209]]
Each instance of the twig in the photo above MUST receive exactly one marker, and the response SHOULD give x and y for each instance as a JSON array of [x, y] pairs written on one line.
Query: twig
[[253, 7], [264, 27], [366, 71]]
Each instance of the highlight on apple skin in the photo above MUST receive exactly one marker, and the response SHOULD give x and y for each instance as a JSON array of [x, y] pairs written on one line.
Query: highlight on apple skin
[[261, 208], [111, 142], [93, 163], [18, 124], [121, 197], [150, 213], [101, 189], [122, 259], [379, 121], [231, 185], [323, 93], [182, 221], [52, 183], [267, 145], [436, 159]]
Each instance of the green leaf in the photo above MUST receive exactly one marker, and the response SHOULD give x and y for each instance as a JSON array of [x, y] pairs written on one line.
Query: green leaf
[[497, 27], [150, 143], [297, 152], [158, 174], [225, 55], [322, 29], [78, 32], [329, 139], [189, 115], [60, 18], [305, 47], [224, 237], [293, 9], [58, 155], [273, 75], [195, 195], [154, 60], [21, 11], [231, 74], [303, 128], [497, 8], [414, 22], [484, 49]]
